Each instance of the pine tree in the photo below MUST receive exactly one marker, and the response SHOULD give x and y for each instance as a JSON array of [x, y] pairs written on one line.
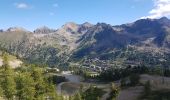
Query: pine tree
[[147, 88], [25, 86], [114, 92], [77, 96], [51, 92], [40, 85], [1, 91], [8, 82]]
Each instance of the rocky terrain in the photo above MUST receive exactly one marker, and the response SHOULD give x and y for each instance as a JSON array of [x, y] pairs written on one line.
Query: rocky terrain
[[13, 62], [144, 39]]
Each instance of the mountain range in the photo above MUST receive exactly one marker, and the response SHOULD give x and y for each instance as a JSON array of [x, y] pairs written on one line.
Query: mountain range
[[146, 41]]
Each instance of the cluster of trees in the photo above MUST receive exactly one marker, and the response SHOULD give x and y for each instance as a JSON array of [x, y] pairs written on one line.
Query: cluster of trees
[[92, 93], [131, 80], [95, 93], [57, 79], [27, 83], [31, 82], [117, 74], [114, 92]]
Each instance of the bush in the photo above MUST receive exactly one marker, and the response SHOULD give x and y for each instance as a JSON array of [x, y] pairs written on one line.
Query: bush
[[134, 79], [57, 79], [147, 88], [114, 92], [93, 93]]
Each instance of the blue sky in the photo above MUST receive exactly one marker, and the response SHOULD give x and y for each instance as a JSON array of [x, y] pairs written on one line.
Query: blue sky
[[31, 14]]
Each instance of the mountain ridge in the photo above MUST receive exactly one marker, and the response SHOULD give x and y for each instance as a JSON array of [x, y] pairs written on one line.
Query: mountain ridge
[[78, 41]]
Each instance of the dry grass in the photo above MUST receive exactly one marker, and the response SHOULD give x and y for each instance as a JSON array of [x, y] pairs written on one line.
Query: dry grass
[[131, 93], [156, 81], [69, 88]]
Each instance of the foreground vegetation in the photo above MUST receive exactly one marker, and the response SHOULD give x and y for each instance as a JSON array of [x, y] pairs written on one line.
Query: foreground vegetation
[[31, 82], [26, 83]]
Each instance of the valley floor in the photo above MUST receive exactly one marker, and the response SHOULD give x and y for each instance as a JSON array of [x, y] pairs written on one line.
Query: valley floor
[[130, 93], [133, 93]]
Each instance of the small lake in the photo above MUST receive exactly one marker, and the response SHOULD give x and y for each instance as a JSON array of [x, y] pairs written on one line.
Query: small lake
[[72, 78]]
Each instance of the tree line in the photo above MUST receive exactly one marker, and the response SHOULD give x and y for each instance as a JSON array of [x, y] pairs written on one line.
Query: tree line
[[25, 83]]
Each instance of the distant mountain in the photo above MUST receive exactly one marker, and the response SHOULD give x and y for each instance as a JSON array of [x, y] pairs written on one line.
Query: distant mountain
[[16, 29], [44, 30], [144, 38], [104, 37], [1, 30]]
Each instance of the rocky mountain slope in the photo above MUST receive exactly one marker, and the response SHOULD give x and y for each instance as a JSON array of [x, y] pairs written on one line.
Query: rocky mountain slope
[[138, 41], [12, 61]]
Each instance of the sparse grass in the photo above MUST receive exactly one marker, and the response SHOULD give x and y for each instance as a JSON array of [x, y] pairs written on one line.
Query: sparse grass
[[157, 95], [70, 88]]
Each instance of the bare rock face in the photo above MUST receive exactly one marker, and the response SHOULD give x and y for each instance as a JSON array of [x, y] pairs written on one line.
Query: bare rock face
[[83, 28], [70, 27], [44, 30], [76, 28]]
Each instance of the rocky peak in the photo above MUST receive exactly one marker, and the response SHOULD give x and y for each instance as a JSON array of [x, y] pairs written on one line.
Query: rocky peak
[[43, 30], [164, 21], [103, 26], [87, 24], [70, 27], [83, 28]]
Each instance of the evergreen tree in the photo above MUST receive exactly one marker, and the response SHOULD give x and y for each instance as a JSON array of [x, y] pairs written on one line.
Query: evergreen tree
[[147, 88], [51, 92], [44, 89], [40, 85], [25, 86], [8, 82], [1, 91], [134, 79], [114, 92], [77, 96]]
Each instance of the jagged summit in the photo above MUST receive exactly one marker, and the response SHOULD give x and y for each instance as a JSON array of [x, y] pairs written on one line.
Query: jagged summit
[[44, 30], [164, 21], [70, 27], [164, 18], [86, 40], [87, 24]]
